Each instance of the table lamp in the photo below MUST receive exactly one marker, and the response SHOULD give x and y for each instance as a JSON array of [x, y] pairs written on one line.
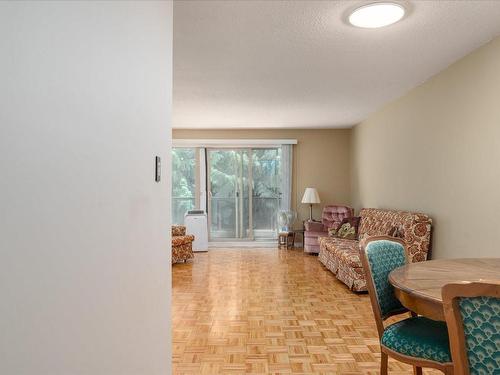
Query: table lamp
[[311, 197]]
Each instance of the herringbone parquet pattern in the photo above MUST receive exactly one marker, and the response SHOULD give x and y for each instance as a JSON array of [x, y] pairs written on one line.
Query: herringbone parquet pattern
[[269, 311]]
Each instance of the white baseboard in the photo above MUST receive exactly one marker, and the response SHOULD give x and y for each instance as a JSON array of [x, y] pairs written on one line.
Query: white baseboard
[[247, 244], [226, 244]]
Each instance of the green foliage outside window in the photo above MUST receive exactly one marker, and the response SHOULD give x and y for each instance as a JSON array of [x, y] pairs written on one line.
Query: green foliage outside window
[[226, 167], [183, 182]]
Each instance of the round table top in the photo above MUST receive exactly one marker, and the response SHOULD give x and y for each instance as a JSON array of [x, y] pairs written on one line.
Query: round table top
[[424, 280]]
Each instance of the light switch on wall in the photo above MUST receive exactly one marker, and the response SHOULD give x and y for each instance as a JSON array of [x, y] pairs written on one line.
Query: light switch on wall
[[157, 169]]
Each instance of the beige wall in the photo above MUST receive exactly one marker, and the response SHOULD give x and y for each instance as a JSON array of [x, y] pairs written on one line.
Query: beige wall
[[437, 150], [321, 160]]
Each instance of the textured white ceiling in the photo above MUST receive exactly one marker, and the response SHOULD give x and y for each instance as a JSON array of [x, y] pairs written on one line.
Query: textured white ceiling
[[297, 64]]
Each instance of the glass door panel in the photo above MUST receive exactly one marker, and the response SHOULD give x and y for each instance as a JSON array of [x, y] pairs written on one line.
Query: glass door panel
[[183, 182], [266, 192], [229, 194]]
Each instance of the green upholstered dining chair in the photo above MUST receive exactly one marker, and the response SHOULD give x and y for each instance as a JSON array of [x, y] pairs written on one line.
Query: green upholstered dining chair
[[472, 311], [416, 340]]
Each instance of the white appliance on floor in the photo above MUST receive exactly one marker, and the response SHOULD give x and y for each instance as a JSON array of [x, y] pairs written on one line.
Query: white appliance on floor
[[196, 224]]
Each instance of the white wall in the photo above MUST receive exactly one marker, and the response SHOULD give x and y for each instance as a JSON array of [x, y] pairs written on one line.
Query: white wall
[[85, 93]]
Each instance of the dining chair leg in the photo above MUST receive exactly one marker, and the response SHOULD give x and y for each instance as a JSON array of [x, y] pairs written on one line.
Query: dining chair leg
[[383, 363], [417, 370]]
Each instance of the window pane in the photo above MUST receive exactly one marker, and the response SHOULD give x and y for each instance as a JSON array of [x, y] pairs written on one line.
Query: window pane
[[183, 182]]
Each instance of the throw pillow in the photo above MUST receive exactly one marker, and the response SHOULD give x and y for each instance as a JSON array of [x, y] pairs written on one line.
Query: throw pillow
[[349, 228], [397, 231], [332, 232]]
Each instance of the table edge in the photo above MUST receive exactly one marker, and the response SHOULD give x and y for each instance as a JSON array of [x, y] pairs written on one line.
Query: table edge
[[412, 292]]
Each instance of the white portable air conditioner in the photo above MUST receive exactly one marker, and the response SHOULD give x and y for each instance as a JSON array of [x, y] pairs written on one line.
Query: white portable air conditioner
[[196, 224]]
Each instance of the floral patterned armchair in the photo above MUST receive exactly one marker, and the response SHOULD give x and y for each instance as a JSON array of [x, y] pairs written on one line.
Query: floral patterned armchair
[[330, 218], [182, 244]]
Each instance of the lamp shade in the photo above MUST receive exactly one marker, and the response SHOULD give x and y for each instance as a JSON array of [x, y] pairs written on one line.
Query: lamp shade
[[311, 196]]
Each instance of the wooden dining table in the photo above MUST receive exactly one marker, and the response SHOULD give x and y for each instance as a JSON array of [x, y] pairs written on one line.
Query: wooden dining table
[[418, 285]]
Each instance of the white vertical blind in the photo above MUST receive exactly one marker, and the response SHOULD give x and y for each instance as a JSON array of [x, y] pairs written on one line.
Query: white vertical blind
[[202, 186]]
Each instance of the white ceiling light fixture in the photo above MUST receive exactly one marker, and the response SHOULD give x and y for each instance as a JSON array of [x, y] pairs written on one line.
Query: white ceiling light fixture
[[376, 15]]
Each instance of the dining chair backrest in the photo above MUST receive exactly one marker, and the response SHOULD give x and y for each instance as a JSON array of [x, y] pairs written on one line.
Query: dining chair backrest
[[472, 311], [380, 255]]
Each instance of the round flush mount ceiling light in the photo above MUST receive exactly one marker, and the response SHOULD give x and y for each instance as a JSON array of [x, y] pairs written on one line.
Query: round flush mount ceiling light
[[376, 15]]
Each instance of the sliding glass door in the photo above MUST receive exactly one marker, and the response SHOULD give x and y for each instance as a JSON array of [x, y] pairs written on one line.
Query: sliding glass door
[[229, 193], [244, 190]]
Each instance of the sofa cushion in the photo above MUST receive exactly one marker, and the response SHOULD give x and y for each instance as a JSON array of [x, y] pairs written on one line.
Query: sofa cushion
[[346, 251], [335, 244], [349, 255], [342, 258]]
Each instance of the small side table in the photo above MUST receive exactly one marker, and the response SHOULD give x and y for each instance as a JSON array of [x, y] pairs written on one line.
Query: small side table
[[301, 233], [286, 239]]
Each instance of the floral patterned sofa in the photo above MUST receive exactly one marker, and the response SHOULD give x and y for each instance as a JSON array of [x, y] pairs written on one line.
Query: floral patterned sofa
[[342, 257], [182, 244]]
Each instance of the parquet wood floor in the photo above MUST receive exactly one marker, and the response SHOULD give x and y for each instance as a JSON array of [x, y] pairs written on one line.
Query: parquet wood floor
[[270, 311]]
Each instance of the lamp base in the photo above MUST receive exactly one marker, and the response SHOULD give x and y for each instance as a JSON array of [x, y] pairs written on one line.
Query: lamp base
[[310, 212]]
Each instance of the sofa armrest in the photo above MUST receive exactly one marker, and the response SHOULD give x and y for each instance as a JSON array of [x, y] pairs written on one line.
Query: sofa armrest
[[314, 226]]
